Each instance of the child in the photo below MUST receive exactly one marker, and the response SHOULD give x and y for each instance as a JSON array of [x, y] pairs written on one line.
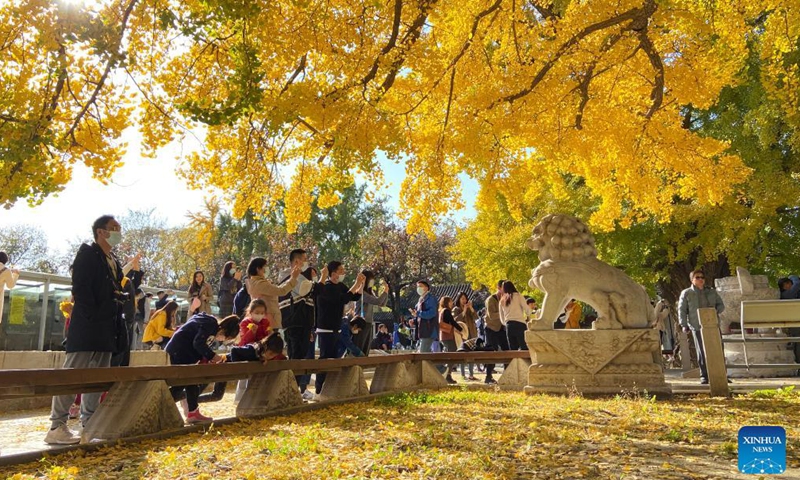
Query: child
[[191, 345], [269, 348], [350, 328], [256, 325]]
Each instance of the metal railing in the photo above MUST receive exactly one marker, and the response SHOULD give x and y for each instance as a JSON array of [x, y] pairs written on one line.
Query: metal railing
[[31, 319]]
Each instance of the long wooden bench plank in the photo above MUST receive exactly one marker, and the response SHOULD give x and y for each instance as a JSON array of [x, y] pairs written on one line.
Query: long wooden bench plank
[[22, 383]]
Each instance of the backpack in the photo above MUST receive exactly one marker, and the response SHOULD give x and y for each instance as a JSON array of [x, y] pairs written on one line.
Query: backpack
[[241, 301]]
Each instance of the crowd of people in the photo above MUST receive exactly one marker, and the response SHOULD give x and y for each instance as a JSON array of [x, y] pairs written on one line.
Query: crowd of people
[[306, 311]]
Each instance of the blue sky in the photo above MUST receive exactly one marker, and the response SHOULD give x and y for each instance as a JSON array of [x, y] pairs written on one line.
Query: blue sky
[[144, 183]]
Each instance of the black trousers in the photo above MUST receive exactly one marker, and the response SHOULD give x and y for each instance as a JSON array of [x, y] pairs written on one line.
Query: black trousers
[[327, 349], [297, 340], [516, 335], [497, 341], [192, 393]]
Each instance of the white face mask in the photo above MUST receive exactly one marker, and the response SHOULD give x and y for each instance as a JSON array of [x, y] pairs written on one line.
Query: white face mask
[[114, 238], [257, 317], [304, 267], [421, 291], [371, 283], [233, 271], [334, 279], [314, 278]]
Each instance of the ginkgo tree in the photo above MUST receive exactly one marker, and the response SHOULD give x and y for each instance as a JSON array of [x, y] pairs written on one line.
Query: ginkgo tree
[[294, 100]]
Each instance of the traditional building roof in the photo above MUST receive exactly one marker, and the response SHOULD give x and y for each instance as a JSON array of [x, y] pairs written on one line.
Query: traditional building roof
[[410, 299]]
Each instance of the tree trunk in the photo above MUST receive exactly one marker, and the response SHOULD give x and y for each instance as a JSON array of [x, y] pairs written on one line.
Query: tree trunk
[[670, 289]]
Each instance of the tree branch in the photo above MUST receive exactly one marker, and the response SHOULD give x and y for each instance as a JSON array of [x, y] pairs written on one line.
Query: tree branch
[[631, 15], [112, 59], [657, 94]]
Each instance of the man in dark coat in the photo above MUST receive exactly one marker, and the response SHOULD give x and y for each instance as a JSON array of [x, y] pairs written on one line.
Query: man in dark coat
[[130, 285], [95, 324]]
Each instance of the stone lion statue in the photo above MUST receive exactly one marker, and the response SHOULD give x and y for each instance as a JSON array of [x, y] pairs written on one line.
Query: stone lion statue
[[569, 269]]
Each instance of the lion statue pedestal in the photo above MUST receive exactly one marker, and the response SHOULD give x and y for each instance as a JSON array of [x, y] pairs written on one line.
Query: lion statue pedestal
[[621, 353]]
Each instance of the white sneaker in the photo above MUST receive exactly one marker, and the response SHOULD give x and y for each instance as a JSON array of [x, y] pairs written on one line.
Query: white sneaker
[[61, 435], [185, 408], [308, 395]]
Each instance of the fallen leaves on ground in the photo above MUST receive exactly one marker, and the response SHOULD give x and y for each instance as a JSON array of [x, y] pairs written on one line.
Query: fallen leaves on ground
[[456, 434]]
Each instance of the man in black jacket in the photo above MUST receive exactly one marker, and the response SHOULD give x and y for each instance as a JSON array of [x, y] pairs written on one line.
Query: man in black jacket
[[95, 322], [331, 297]]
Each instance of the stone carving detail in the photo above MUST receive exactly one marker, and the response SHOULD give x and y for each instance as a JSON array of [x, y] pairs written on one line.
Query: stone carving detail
[[569, 268], [600, 361], [590, 352]]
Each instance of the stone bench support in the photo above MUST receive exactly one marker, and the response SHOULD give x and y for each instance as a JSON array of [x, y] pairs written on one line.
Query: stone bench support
[[268, 392], [131, 409], [349, 382]]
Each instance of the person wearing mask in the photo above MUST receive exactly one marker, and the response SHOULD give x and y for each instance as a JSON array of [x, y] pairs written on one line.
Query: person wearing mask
[[494, 329], [514, 313], [447, 326], [199, 294], [331, 299], [348, 331], [426, 315], [370, 301], [694, 297], [259, 287], [300, 335], [229, 283], [464, 312], [8, 279], [160, 328], [297, 315], [190, 345], [95, 321]]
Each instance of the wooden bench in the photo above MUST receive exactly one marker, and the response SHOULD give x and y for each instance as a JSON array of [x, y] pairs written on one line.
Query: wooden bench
[[766, 314], [139, 403]]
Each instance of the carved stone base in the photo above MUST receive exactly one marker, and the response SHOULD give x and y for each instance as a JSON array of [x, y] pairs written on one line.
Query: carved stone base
[[595, 361], [515, 376], [268, 392], [131, 409], [346, 383]]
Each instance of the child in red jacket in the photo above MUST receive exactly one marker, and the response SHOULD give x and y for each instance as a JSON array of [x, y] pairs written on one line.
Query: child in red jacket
[[254, 328], [256, 325]]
